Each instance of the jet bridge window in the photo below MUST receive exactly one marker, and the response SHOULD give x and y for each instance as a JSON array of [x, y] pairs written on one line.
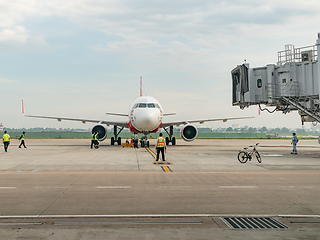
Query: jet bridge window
[[259, 83], [142, 105], [151, 105]]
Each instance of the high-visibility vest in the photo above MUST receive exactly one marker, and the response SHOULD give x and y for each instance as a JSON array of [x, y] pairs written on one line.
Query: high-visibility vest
[[96, 137], [22, 137], [93, 136], [160, 142], [6, 137]]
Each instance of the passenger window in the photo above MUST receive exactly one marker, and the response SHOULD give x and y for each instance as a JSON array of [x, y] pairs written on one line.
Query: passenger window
[[142, 105], [151, 105], [259, 83]]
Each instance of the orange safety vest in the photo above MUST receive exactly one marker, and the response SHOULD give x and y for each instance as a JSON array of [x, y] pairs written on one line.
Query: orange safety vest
[[160, 142]]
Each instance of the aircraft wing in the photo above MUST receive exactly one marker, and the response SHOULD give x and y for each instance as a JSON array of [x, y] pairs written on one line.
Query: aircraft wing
[[118, 123], [168, 124]]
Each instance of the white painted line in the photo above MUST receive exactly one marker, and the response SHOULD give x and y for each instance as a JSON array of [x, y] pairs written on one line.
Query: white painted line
[[50, 187], [175, 187], [158, 215], [238, 186], [8, 187], [13, 224], [113, 187], [272, 155]]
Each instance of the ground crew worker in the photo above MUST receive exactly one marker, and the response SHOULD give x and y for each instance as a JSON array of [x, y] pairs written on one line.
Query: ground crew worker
[[294, 142], [92, 139], [135, 140], [160, 147], [96, 141], [22, 140], [6, 140]]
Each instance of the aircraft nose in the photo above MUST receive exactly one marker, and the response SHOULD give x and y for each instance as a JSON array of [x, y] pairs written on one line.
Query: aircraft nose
[[148, 122]]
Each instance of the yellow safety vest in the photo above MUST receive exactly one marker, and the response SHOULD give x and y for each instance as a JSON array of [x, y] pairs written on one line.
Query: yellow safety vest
[[6, 137], [96, 137], [160, 142], [22, 137], [93, 136]]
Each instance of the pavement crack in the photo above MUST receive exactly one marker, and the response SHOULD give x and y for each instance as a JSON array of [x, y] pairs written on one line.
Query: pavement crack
[[42, 213], [137, 159]]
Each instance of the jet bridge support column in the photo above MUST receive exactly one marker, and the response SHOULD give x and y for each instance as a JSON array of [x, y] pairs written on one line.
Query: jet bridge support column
[[318, 63]]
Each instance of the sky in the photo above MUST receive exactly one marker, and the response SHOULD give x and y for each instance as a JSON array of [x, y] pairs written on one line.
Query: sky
[[81, 58]]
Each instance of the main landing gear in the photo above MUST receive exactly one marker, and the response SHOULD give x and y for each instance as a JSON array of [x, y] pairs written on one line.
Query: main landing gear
[[170, 138], [116, 133]]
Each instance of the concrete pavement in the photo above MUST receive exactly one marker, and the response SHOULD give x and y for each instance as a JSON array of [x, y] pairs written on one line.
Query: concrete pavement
[[62, 189]]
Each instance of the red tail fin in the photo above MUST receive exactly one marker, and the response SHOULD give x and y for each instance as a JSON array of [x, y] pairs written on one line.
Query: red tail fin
[[22, 108], [141, 94]]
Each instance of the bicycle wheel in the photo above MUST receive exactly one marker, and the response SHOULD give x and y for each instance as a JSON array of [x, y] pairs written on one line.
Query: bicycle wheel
[[258, 157], [242, 157]]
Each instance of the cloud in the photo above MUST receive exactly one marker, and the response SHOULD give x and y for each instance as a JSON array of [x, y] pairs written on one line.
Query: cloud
[[16, 34]]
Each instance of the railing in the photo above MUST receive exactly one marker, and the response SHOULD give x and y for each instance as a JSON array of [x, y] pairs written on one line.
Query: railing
[[292, 54]]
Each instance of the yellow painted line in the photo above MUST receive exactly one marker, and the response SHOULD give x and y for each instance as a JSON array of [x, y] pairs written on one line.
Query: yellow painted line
[[166, 169], [162, 163], [152, 153]]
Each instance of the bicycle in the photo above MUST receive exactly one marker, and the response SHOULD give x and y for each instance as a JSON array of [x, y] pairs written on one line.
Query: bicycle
[[244, 155]]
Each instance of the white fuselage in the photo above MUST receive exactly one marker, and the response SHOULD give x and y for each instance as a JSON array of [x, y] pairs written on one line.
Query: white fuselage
[[145, 115]]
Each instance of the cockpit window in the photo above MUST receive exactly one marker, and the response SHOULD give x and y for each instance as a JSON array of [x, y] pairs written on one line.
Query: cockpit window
[[151, 105], [157, 106], [136, 105], [142, 105]]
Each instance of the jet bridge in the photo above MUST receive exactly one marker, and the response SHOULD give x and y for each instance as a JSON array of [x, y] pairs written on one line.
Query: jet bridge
[[291, 84]]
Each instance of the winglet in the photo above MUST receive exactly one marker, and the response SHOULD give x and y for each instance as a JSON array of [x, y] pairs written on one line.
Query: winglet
[[141, 94]]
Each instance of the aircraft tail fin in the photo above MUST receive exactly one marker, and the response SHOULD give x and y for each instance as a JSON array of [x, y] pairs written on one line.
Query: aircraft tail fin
[[22, 108], [141, 94]]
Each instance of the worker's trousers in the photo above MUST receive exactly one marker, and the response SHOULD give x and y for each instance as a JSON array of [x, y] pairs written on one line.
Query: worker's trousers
[[160, 149], [294, 150], [22, 143], [6, 145]]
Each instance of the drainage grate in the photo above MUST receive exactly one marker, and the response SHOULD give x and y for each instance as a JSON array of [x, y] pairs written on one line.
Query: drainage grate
[[253, 223]]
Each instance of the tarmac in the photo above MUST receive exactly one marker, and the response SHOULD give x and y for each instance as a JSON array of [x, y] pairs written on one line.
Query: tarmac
[[62, 189]]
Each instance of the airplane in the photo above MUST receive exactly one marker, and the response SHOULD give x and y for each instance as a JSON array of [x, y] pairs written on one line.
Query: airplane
[[145, 116]]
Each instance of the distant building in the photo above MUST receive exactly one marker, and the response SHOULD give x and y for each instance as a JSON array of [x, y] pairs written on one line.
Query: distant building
[[1, 127]]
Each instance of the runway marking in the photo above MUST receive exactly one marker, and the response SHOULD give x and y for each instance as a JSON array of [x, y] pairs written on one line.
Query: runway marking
[[113, 187], [238, 186], [166, 169], [272, 155], [152, 153], [8, 187], [127, 223], [161, 163], [50, 187], [15, 224], [156, 216]]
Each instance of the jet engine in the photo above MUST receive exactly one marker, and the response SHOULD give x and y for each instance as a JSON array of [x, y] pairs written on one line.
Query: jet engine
[[189, 132], [101, 130]]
